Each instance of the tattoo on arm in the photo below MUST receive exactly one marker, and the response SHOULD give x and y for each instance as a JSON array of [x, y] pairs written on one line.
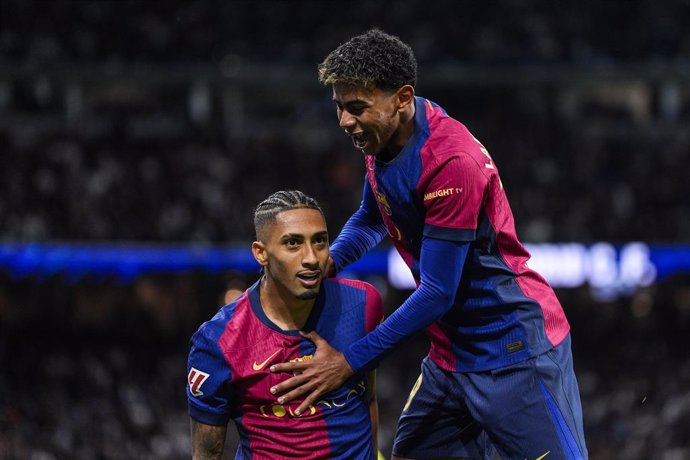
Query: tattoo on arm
[[208, 441]]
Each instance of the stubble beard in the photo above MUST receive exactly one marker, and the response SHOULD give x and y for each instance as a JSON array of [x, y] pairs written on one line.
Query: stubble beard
[[308, 295]]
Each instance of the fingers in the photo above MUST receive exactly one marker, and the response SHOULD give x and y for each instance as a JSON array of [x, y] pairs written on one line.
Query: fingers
[[290, 367], [309, 379], [295, 384], [296, 394], [308, 402]]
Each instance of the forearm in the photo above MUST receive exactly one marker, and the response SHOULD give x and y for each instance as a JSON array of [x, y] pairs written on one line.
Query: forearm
[[208, 441], [418, 312], [363, 231], [441, 269], [353, 242]]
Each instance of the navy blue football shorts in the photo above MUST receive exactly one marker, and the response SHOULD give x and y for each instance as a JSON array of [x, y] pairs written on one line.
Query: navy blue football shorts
[[529, 410]]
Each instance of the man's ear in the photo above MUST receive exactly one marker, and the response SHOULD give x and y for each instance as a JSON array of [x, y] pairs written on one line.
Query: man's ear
[[259, 252], [405, 97]]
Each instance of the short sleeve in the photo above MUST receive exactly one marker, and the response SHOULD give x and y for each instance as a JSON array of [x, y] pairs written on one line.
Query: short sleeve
[[453, 198], [209, 392]]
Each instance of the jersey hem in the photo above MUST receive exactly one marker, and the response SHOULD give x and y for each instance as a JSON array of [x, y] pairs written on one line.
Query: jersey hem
[[205, 417]]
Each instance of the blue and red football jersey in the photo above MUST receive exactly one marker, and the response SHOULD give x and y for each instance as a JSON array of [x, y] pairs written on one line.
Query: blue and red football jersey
[[229, 377], [441, 192]]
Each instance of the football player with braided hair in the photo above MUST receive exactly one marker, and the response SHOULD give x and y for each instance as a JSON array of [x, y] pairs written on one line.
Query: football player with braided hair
[[228, 366]]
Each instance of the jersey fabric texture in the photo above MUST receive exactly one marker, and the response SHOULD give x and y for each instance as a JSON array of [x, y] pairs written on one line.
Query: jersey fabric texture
[[473, 415], [442, 203], [229, 377]]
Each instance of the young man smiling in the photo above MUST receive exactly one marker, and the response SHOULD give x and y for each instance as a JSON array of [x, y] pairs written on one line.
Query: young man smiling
[[499, 374], [228, 376]]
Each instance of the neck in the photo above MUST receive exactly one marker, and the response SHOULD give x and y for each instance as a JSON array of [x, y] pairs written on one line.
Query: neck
[[401, 135], [282, 308]]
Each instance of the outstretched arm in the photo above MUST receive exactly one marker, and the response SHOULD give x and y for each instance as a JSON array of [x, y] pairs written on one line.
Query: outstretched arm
[[441, 269], [208, 441]]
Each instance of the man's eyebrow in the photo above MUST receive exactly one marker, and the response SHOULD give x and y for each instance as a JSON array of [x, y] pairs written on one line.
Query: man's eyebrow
[[351, 102], [292, 235], [302, 236]]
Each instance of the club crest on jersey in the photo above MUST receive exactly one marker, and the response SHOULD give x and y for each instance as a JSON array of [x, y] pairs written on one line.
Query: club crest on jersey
[[383, 202], [196, 378], [300, 359]]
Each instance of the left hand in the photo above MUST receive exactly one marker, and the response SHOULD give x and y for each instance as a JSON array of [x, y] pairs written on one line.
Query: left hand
[[325, 372]]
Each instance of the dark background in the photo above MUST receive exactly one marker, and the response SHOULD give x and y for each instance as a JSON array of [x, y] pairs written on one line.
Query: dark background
[[167, 122]]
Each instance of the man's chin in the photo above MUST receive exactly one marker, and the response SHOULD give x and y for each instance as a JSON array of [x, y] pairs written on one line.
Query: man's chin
[[308, 295]]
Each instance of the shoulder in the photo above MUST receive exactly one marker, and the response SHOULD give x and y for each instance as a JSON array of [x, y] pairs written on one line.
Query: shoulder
[[447, 137], [349, 293], [453, 150], [450, 139], [346, 284], [214, 328], [359, 298]]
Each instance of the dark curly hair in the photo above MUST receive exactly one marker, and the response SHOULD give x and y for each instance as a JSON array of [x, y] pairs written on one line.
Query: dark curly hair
[[373, 58]]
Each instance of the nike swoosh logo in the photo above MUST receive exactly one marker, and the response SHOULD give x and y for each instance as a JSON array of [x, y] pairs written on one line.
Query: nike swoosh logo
[[258, 367], [542, 456]]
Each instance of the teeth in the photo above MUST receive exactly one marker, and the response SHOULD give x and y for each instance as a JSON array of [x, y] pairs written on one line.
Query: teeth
[[358, 139]]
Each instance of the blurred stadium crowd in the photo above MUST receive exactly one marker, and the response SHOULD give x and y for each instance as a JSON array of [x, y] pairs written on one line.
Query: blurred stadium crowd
[[152, 121], [168, 121]]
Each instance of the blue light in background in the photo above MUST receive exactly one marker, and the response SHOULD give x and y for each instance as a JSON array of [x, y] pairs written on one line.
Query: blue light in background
[[601, 265]]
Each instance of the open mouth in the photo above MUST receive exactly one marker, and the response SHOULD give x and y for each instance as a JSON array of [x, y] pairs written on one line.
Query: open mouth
[[359, 140], [309, 279]]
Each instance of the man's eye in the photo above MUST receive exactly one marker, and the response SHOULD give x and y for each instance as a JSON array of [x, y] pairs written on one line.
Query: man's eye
[[292, 242]]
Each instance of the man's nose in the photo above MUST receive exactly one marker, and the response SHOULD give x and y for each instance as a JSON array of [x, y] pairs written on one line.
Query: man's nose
[[347, 120], [309, 257]]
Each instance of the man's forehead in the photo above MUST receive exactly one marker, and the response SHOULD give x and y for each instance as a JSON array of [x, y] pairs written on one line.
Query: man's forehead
[[349, 91], [300, 219]]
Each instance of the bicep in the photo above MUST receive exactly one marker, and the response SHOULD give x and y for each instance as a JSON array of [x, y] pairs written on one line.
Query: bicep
[[208, 441]]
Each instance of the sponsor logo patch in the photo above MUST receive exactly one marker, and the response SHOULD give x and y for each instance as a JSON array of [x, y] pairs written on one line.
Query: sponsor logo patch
[[515, 346], [196, 378]]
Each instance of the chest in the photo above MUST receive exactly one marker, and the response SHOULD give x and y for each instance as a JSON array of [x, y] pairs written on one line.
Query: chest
[[396, 191]]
